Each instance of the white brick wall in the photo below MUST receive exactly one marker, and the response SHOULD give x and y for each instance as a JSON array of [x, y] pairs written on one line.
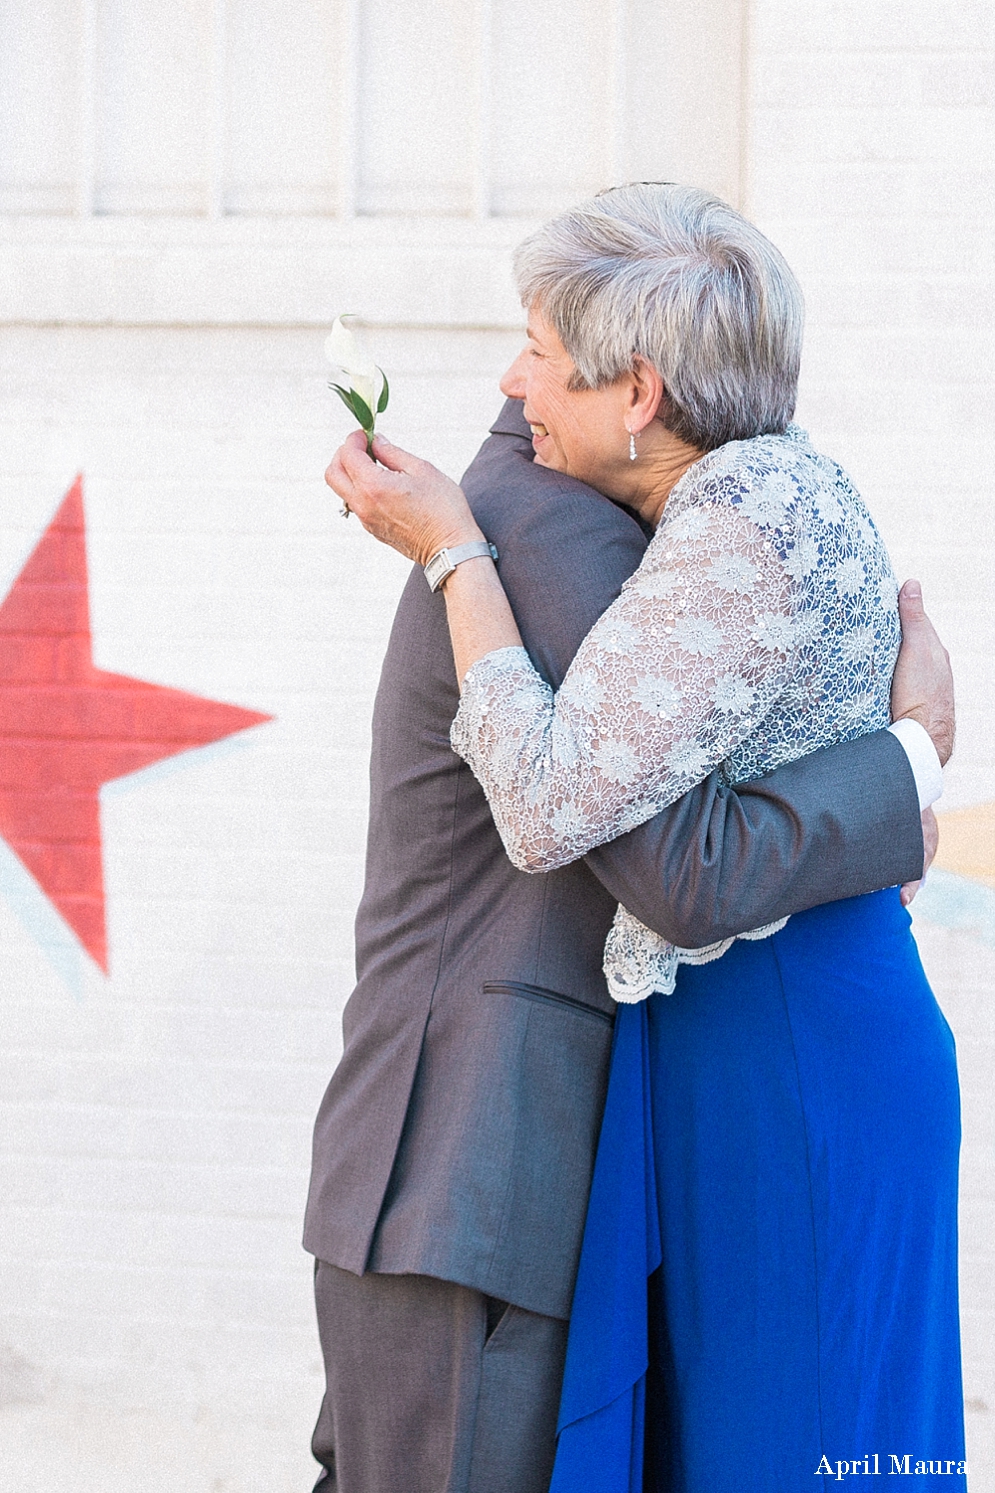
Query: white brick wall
[[962, 971], [155, 1125], [872, 165]]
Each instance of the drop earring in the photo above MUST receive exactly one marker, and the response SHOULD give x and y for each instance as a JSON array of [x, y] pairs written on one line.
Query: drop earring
[[632, 446]]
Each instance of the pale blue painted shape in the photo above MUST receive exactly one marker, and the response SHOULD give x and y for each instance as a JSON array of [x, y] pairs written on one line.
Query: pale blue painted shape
[[26, 899], [228, 746], [53, 935], [951, 901]]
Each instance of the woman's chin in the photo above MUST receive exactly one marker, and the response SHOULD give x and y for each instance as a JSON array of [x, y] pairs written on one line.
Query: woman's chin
[[545, 455]]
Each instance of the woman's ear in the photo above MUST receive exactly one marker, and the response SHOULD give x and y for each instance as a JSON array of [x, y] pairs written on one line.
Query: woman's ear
[[647, 394]]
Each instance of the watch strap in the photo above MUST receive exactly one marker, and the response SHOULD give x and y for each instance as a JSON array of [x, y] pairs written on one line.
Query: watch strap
[[445, 561]]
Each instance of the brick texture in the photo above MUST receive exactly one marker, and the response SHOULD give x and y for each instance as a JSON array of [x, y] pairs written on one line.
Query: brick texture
[[872, 165], [155, 1124]]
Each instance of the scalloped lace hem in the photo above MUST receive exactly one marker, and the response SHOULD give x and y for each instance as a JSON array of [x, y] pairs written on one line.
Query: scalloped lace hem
[[639, 963]]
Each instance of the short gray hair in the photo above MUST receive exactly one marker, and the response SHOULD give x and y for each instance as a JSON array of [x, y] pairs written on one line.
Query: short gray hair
[[678, 277]]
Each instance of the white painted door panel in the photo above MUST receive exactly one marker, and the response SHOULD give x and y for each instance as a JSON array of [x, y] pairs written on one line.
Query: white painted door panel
[[416, 106], [39, 106], [285, 70], [154, 120], [231, 160], [553, 110]]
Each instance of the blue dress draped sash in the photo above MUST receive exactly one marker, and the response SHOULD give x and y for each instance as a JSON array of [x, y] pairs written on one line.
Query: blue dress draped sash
[[768, 1279], [604, 1387]]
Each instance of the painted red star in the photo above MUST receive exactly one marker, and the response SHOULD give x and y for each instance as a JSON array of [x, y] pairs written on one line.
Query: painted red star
[[67, 727]]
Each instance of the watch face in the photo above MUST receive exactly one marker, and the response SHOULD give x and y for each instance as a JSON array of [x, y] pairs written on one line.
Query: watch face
[[437, 569]]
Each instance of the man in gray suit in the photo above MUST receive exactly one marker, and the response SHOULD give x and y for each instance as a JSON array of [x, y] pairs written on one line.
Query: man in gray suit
[[454, 1147]]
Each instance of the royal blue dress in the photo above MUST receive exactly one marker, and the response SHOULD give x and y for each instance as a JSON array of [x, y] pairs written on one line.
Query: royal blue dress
[[768, 1282]]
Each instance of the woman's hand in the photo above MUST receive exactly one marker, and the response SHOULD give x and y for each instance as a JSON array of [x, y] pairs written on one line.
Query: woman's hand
[[404, 502], [410, 505]]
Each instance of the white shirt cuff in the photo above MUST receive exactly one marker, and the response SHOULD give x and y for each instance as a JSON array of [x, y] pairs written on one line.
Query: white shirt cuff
[[923, 760]]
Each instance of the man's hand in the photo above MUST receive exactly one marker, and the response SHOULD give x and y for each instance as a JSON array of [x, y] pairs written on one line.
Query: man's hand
[[930, 840], [922, 688]]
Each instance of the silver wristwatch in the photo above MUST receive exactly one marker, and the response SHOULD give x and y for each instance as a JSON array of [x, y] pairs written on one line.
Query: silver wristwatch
[[444, 562]]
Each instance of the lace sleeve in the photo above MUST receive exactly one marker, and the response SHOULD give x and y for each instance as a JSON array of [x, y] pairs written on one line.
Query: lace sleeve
[[674, 675]]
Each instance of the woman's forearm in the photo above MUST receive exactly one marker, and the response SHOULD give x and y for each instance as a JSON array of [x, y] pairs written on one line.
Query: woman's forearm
[[673, 677], [410, 505], [479, 615]]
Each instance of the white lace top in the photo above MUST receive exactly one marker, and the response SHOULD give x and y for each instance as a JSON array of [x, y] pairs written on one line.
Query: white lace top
[[761, 625]]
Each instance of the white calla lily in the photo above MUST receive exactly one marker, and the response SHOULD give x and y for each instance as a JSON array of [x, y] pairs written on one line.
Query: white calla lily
[[342, 346], [361, 376]]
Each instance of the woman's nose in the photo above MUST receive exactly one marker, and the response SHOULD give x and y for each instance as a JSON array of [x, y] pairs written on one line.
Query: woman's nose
[[513, 382]]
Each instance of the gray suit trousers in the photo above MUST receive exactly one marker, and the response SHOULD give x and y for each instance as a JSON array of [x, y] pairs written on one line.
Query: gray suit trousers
[[433, 1387]]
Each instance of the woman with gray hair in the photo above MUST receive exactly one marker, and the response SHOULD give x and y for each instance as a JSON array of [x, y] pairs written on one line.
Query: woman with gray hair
[[767, 1287]]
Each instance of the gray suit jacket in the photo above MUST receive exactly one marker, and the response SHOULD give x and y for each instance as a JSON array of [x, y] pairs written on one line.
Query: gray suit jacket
[[457, 1135]]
